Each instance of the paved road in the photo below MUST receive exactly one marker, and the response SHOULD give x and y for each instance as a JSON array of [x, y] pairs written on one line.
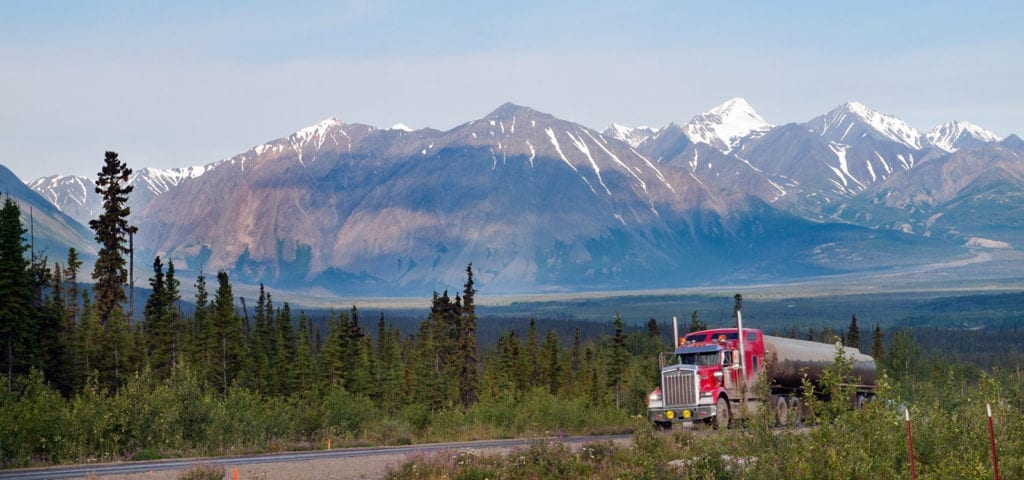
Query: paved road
[[127, 468]]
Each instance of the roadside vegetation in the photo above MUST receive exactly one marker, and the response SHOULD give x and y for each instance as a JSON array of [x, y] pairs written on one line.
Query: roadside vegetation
[[947, 405]]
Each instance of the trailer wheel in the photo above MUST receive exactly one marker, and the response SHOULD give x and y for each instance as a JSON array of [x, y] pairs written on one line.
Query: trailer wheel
[[782, 411], [796, 415], [722, 414]]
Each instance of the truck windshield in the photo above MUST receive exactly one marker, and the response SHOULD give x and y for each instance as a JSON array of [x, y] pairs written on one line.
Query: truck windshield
[[700, 359]]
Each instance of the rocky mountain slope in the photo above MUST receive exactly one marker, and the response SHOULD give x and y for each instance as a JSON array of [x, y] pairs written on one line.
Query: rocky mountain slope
[[50, 231], [539, 203]]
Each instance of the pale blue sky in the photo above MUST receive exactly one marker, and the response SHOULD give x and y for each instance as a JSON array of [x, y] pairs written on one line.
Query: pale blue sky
[[183, 83]]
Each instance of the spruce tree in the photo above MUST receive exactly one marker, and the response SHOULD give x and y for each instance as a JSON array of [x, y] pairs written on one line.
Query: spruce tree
[[355, 375], [877, 348], [263, 343], [172, 294], [551, 364], [156, 324], [468, 374], [228, 329], [617, 361], [305, 365], [696, 325], [853, 335], [202, 342], [112, 232], [16, 328], [574, 354], [389, 376], [284, 374], [508, 365], [531, 353]]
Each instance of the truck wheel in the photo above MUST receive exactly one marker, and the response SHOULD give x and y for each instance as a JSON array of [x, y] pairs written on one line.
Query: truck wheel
[[796, 415], [663, 425], [722, 414], [782, 411]]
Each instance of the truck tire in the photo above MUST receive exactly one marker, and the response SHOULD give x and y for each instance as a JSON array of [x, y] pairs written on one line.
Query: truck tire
[[663, 426], [782, 411], [796, 413], [722, 415]]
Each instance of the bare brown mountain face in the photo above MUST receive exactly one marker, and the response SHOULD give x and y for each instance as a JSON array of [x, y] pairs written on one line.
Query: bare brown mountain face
[[539, 204], [532, 201]]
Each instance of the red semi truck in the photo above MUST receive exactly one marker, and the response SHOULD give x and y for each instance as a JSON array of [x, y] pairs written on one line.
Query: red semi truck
[[712, 376]]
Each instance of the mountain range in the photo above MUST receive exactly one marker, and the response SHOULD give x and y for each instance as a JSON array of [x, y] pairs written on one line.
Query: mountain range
[[539, 203]]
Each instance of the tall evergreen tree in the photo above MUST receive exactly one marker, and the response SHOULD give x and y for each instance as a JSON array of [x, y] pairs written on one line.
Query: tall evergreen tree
[[552, 367], [112, 230], [357, 377], [443, 323], [16, 315], [172, 294], [853, 334], [389, 378], [305, 365], [155, 324], [575, 354], [201, 333], [228, 328], [284, 374], [87, 348], [468, 375], [71, 295], [425, 383], [263, 342], [532, 353], [877, 348], [696, 325], [510, 374], [617, 361]]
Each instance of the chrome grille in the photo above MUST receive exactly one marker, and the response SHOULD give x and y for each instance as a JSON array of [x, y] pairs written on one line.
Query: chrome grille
[[679, 387]]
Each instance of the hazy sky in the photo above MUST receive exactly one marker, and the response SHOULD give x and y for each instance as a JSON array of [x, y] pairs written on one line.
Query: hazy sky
[[179, 83]]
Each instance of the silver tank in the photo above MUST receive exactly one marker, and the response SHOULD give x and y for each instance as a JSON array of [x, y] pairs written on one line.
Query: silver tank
[[787, 361]]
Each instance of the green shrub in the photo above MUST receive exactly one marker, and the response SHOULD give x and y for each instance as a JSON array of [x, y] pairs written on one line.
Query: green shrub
[[204, 471], [346, 413], [32, 424]]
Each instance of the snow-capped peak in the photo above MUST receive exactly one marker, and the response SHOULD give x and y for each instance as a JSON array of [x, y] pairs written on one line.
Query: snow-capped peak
[[889, 126], [632, 135], [401, 126], [725, 125], [954, 135], [319, 129], [159, 180]]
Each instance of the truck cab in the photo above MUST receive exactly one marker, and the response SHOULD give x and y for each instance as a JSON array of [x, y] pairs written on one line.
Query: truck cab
[[706, 375]]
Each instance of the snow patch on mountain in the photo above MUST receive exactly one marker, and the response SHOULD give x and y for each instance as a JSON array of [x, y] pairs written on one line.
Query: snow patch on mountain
[[986, 243], [725, 125], [632, 135], [954, 135], [316, 131], [62, 190], [888, 126], [160, 180], [401, 127]]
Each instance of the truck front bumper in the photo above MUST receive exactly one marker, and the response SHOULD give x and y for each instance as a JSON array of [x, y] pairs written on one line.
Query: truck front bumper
[[687, 413]]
